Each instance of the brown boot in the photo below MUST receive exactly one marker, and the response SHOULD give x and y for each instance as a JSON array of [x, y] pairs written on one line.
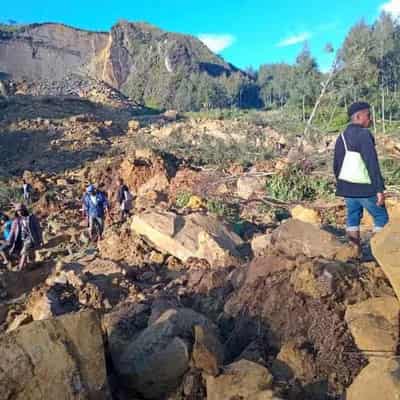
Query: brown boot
[[355, 240]]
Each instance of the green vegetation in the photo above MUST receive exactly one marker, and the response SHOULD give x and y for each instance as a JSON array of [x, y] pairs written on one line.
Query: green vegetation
[[294, 184], [367, 67], [228, 211], [182, 199], [10, 27], [9, 195], [391, 171]]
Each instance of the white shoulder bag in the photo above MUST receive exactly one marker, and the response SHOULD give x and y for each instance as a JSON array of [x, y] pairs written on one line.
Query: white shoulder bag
[[353, 168]]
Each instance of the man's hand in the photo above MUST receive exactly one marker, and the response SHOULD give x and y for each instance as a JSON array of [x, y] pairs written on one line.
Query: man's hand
[[380, 199]]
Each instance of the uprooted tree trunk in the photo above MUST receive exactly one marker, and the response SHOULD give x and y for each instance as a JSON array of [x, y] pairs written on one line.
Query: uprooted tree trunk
[[334, 71], [325, 85]]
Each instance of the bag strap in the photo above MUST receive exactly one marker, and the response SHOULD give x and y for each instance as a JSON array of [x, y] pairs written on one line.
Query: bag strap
[[345, 144]]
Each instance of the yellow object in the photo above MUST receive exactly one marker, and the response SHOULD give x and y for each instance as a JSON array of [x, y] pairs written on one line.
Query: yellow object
[[195, 202], [305, 214]]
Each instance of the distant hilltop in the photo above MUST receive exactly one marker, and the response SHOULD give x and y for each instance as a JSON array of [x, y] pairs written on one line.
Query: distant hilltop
[[152, 66]]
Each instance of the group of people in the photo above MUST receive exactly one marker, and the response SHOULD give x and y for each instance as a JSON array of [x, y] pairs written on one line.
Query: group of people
[[96, 207], [22, 234]]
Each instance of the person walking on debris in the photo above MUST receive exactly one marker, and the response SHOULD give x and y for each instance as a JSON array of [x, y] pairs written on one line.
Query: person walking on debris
[[95, 208], [125, 199], [358, 175], [26, 191], [4, 246], [25, 235]]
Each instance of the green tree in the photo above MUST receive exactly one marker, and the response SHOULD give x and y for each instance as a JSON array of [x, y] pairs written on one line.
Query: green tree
[[306, 80]]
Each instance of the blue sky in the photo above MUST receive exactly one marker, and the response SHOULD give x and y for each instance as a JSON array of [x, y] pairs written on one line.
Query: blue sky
[[244, 32]]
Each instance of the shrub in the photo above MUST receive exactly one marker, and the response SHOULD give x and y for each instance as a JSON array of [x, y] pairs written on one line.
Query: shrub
[[182, 199], [296, 185], [229, 212]]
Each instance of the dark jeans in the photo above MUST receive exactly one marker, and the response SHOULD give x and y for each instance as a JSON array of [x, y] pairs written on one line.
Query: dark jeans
[[355, 209], [96, 225]]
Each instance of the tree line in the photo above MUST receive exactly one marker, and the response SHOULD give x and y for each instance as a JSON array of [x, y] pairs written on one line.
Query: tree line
[[366, 67]]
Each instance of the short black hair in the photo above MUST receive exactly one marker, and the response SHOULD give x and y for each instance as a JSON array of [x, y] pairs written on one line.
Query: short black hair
[[356, 107]]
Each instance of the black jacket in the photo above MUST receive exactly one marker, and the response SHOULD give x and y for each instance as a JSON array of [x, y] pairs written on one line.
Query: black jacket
[[121, 193], [358, 139]]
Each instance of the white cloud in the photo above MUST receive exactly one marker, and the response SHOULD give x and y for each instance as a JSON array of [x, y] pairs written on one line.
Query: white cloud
[[295, 39], [392, 7], [217, 43]]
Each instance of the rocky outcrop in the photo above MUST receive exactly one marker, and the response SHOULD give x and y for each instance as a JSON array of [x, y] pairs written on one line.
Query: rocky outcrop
[[194, 235], [60, 358]]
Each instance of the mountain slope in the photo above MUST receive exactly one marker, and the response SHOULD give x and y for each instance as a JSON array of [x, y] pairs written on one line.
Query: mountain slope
[[146, 63]]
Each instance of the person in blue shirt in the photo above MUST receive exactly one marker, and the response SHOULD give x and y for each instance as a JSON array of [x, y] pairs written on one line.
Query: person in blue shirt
[[5, 246], [95, 208]]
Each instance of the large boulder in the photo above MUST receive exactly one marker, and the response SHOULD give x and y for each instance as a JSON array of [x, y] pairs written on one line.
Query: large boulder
[[154, 363], [386, 249], [378, 380], [374, 324], [60, 358], [296, 237], [241, 380], [195, 235]]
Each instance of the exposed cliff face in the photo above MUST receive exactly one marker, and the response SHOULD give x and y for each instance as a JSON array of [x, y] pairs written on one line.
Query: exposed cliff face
[[142, 61], [49, 51]]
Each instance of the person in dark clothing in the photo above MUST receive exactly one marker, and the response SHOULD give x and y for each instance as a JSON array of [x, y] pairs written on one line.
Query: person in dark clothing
[[124, 199], [25, 235], [27, 191], [359, 194]]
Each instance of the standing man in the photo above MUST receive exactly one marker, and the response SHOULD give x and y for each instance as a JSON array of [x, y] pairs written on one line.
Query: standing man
[[25, 235], [26, 191], [95, 207], [358, 175], [125, 199]]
